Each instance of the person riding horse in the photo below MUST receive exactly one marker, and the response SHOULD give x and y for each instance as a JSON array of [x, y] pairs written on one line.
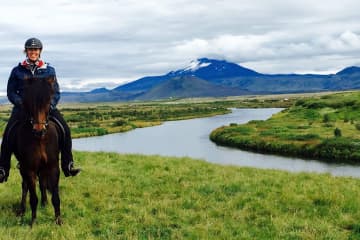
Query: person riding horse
[[32, 67]]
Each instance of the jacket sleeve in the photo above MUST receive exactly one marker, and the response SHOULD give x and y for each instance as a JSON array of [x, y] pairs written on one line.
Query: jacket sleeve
[[56, 97], [13, 91]]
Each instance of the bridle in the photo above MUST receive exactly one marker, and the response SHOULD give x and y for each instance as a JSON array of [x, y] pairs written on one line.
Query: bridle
[[39, 128], [37, 98]]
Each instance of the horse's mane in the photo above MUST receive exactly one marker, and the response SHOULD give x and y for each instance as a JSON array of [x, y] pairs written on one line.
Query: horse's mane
[[37, 93]]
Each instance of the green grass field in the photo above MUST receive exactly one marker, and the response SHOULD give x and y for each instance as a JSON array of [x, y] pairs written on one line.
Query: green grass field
[[323, 127], [152, 197]]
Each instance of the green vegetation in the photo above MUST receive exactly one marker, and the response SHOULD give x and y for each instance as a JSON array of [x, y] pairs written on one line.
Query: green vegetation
[[152, 197], [103, 118], [324, 127]]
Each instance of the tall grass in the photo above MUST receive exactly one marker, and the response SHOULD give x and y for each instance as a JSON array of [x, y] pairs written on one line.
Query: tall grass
[[152, 197]]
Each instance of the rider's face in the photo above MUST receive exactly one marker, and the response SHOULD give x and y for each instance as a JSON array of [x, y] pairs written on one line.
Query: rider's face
[[33, 53]]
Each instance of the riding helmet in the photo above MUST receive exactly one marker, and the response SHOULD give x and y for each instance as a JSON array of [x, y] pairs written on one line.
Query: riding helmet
[[33, 43]]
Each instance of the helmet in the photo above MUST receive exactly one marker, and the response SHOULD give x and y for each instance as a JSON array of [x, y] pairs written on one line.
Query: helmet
[[33, 43]]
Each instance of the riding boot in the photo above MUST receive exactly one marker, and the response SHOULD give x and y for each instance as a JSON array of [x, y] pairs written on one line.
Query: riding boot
[[6, 149], [67, 162], [5, 159]]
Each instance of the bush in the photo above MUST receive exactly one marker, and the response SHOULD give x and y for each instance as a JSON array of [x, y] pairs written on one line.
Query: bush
[[119, 123], [304, 137], [326, 118], [300, 102], [337, 132]]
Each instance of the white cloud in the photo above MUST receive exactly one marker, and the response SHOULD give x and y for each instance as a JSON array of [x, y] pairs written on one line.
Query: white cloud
[[97, 42], [87, 84]]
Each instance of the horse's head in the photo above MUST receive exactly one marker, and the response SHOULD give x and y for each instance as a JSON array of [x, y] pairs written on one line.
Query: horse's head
[[36, 102]]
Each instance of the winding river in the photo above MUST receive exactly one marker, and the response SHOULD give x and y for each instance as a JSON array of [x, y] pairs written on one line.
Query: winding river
[[191, 138]]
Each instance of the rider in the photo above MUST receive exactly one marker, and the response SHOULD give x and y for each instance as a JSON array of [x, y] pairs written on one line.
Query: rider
[[33, 66]]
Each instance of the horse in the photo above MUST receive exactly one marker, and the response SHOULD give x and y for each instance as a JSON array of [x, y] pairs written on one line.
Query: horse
[[36, 146]]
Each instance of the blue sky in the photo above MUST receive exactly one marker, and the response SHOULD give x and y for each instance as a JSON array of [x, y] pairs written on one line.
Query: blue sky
[[96, 43]]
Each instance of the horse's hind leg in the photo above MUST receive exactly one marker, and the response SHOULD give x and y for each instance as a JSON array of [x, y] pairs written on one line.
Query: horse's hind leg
[[55, 198], [42, 183], [22, 209]]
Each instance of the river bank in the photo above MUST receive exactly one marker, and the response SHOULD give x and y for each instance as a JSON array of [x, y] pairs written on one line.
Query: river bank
[[325, 128]]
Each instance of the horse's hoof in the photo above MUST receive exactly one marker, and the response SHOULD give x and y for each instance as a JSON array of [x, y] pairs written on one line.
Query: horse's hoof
[[43, 203], [32, 222], [20, 213], [58, 221]]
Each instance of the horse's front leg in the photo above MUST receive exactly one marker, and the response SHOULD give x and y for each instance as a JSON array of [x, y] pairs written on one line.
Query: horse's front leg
[[42, 183], [31, 181], [25, 189]]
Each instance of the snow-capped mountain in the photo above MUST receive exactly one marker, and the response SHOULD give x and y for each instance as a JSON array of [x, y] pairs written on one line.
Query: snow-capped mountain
[[205, 77], [213, 69]]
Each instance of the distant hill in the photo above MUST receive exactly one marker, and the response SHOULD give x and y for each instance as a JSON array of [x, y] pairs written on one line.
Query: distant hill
[[99, 90], [212, 78], [186, 87]]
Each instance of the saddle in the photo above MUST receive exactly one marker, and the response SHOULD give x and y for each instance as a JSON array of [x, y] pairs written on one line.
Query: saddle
[[60, 129]]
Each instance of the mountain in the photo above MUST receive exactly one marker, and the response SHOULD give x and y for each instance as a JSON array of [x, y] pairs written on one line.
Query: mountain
[[186, 87], [349, 71], [203, 68], [213, 78], [99, 90], [213, 70], [142, 84]]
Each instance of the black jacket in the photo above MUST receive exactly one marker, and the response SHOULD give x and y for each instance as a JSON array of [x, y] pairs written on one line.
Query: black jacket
[[23, 71]]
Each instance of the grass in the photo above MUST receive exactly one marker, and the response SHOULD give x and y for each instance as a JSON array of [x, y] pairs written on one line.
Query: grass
[[152, 197], [322, 127], [94, 119]]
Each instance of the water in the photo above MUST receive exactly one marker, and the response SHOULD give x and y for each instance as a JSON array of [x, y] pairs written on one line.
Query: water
[[191, 138]]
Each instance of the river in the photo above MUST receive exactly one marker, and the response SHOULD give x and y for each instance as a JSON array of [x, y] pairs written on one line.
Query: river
[[191, 138]]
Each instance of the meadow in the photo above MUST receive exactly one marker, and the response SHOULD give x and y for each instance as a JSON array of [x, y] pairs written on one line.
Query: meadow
[[94, 119], [323, 127], [152, 197]]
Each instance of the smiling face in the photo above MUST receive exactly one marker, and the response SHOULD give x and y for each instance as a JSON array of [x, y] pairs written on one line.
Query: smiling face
[[33, 53]]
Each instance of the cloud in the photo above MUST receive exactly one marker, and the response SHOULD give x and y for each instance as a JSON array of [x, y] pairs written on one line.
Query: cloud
[[96, 43], [88, 84]]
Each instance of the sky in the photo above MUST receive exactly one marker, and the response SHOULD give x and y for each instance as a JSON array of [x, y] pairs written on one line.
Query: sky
[[97, 43]]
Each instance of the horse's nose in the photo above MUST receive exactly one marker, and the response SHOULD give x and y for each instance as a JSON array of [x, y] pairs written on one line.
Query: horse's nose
[[39, 130], [39, 133]]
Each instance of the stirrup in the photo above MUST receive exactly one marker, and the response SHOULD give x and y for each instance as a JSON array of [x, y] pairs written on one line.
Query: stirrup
[[2, 175], [73, 171]]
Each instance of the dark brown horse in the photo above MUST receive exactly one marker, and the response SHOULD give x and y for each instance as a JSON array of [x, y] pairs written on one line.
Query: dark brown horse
[[37, 146]]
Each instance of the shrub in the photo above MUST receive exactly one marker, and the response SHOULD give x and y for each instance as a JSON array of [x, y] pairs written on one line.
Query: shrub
[[119, 123], [300, 102], [326, 118], [337, 132], [304, 137]]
